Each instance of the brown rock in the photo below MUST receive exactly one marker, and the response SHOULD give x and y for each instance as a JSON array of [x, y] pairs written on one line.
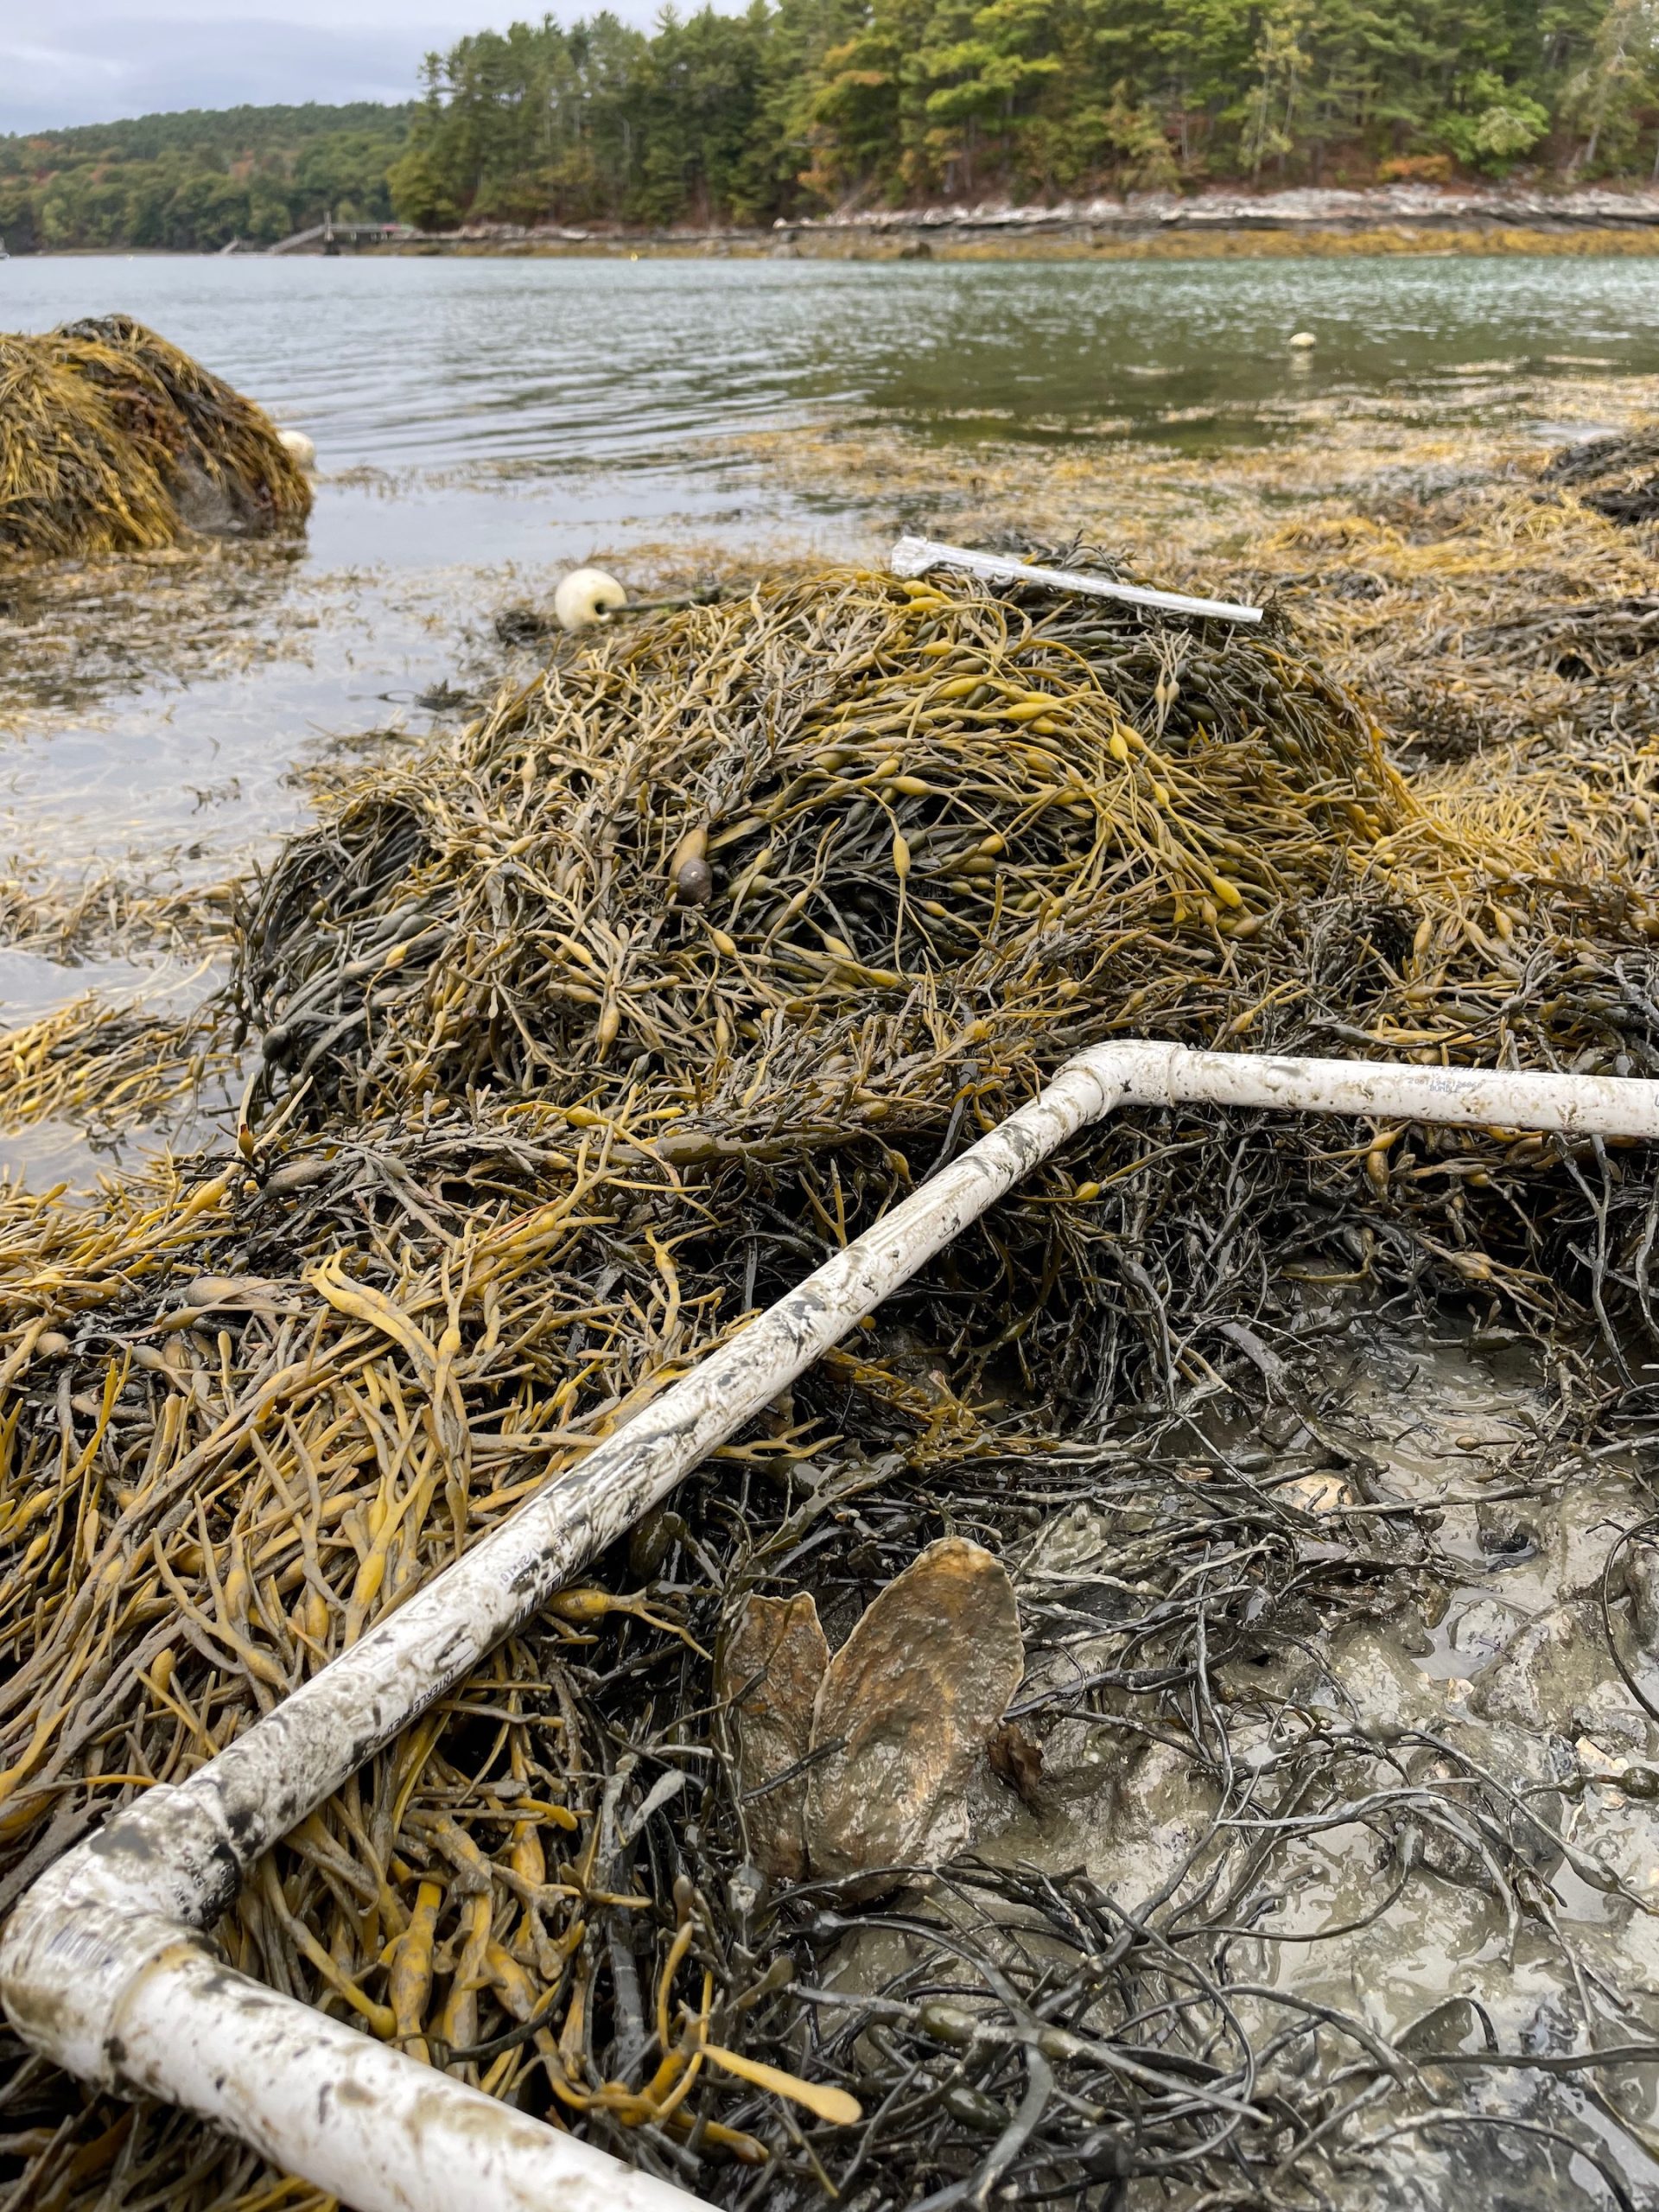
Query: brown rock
[[913, 1697], [771, 1663]]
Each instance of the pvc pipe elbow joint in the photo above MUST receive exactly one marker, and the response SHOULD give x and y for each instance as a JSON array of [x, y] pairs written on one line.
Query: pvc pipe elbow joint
[[105, 1967], [84, 1935]]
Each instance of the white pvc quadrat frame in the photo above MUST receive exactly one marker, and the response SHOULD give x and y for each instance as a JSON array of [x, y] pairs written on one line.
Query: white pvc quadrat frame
[[106, 1968], [914, 556]]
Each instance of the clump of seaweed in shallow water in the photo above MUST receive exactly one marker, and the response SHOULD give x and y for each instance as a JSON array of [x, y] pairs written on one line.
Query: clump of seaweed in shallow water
[[112, 440]]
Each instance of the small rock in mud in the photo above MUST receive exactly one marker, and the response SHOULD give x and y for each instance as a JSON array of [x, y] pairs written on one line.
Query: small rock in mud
[[1506, 1532], [1499, 1792], [1642, 1582], [1558, 1675], [772, 1664], [912, 1698], [1411, 1632], [1482, 1629], [1316, 1493]]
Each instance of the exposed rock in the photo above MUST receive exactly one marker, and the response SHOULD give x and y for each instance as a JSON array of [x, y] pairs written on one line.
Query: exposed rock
[[1316, 1493], [1508, 1531], [1432, 206], [1558, 1675], [1482, 1629]]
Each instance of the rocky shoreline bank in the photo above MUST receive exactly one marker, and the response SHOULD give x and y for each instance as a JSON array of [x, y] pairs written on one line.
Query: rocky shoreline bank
[[1387, 217]]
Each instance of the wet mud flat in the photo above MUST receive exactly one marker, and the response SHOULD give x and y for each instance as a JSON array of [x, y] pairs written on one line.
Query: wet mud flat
[[1328, 1778], [1249, 1526]]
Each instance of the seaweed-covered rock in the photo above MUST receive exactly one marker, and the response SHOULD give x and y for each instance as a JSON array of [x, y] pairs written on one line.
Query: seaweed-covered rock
[[114, 441]]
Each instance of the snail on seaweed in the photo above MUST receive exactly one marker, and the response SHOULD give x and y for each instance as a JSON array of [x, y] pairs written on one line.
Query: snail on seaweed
[[299, 448], [585, 596], [691, 881]]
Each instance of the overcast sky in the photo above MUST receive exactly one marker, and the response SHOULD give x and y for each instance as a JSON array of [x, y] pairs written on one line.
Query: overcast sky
[[96, 60]]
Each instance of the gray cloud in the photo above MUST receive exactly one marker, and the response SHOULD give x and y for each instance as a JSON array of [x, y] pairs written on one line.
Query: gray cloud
[[95, 63]]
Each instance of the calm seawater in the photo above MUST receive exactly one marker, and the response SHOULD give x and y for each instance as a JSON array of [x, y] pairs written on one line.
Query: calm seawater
[[482, 423], [589, 396]]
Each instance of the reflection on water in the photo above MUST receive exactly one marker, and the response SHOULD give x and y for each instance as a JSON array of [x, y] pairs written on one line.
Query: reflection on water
[[475, 411]]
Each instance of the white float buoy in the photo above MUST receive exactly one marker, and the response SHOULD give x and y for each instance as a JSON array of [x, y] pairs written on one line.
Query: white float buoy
[[1303, 341], [296, 443], [584, 595]]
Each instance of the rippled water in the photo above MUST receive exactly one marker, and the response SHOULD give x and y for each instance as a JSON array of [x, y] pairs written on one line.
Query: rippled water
[[567, 366]]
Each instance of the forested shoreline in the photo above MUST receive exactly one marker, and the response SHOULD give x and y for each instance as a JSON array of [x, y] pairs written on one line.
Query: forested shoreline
[[794, 107], [192, 181]]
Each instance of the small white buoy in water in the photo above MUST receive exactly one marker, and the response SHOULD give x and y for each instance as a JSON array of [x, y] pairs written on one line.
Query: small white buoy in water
[[1303, 342], [584, 595], [296, 443]]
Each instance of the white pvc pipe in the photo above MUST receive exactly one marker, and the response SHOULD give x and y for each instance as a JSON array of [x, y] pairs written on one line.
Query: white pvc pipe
[[104, 1967], [914, 556], [280, 2076]]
